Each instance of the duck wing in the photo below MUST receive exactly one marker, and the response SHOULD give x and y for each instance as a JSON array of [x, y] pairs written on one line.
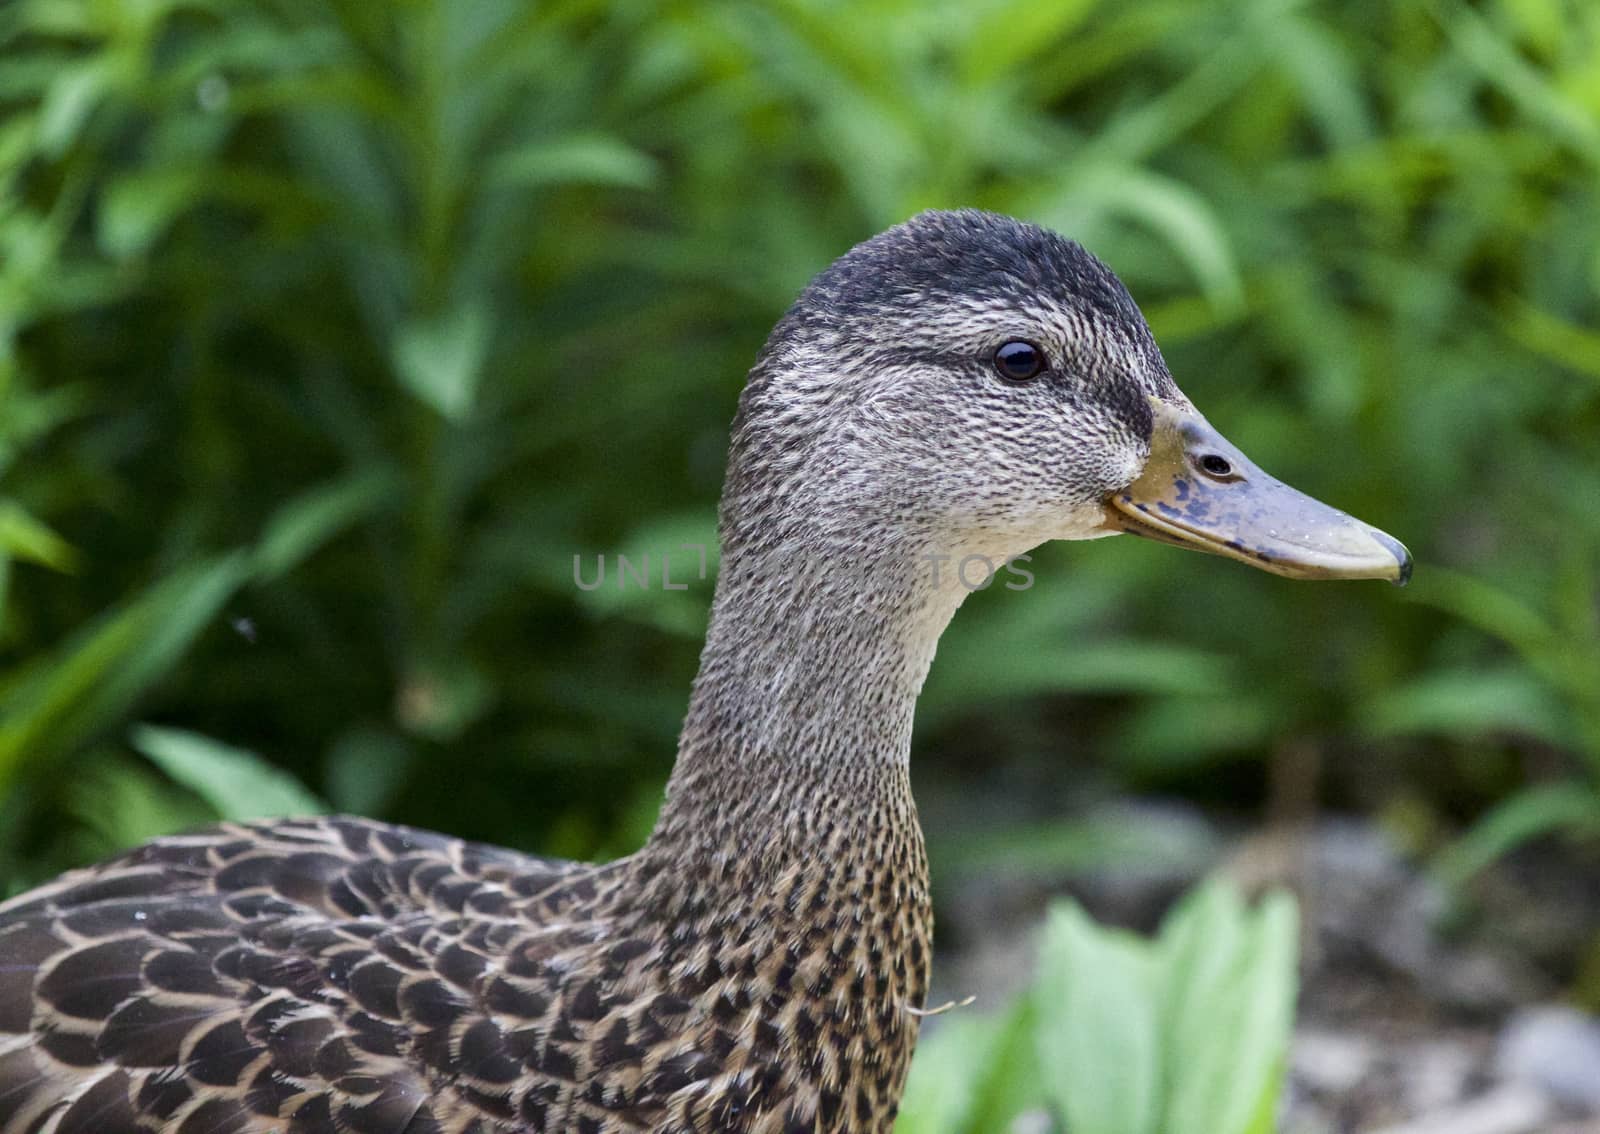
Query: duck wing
[[302, 976]]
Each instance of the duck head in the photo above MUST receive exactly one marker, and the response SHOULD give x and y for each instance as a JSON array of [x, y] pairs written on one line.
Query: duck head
[[965, 382]]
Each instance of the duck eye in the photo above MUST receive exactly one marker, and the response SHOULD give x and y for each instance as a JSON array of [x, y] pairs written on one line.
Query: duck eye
[[1018, 361]]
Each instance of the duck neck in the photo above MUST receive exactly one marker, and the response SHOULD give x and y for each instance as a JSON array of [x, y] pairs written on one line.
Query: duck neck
[[799, 728]]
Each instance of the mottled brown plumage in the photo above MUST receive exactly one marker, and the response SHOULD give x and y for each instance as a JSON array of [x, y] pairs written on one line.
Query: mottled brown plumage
[[339, 974], [758, 966]]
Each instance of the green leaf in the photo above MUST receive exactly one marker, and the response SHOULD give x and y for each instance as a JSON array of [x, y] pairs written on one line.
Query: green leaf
[[303, 525], [1010, 34], [1547, 334], [1003, 660], [95, 679], [1186, 1035], [1099, 1045], [138, 207], [68, 103], [238, 783], [440, 359], [1190, 226], [1472, 704], [1011, 1082], [123, 802], [1543, 810], [1313, 59], [1526, 85], [17, 136], [1271, 979], [1491, 608], [973, 1072], [23, 537], [579, 159], [1230, 993], [943, 1084]]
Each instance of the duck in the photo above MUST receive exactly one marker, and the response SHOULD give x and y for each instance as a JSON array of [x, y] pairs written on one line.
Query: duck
[[959, 388]]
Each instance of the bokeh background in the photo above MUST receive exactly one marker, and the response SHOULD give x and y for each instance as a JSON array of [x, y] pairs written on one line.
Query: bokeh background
[[330, 332]]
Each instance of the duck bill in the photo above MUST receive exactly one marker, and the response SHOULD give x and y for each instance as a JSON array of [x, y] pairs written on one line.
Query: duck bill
[[1199, 491]]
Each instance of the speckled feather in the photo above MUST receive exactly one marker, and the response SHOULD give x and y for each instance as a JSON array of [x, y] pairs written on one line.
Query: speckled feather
[[757, 967]]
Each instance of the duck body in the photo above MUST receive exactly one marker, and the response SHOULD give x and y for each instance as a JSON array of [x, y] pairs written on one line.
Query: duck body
[[344, 975], [963, 385]]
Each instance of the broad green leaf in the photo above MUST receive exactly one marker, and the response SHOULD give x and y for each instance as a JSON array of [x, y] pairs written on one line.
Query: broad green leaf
[[974, 1071], [1187, 1034], [1200, 946], [1271, 978], [238, 783], [1230, 988], [1099, 1045], [944, 1081], [1011, 1082]]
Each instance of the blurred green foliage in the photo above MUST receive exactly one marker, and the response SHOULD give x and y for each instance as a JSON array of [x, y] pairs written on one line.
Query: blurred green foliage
[[330, 332], [1184, 1034]]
